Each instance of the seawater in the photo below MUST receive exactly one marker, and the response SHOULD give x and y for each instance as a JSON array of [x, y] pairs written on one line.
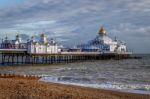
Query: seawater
[[127, 74]]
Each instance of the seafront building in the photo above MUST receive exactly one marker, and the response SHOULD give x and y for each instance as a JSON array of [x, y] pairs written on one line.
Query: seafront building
[[13, 44], [49, 51], [43, 46], [104, 43], [101, 43]]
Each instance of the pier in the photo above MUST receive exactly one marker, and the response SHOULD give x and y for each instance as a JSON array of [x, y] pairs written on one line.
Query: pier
[[48, 51], [16, 57]]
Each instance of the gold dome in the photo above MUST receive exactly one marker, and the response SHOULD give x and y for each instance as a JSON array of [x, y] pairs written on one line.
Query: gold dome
[[102, 31]]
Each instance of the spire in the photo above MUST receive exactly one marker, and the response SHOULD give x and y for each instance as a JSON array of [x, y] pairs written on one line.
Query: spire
[[43, 34], [2, 40], [115, 38], [18, 38], [102, 31], [17, 35], [32, 38], [6, 38]]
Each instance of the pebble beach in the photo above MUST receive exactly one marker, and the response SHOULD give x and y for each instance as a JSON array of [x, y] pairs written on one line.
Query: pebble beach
[[20, 88]]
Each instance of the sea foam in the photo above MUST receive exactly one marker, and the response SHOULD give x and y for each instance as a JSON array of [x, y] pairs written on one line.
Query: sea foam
[[132, 88]]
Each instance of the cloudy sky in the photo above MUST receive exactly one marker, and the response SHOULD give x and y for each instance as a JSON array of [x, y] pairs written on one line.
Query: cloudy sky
[[77, 21]]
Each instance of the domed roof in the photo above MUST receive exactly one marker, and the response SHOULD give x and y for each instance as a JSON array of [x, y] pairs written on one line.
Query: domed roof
[[102, 31]]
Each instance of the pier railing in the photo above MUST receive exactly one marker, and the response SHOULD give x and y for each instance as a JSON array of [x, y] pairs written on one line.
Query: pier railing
[[13, 50]]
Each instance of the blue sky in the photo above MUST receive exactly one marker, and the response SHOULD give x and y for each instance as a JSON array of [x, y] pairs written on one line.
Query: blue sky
[[77, 21], [9, 2]]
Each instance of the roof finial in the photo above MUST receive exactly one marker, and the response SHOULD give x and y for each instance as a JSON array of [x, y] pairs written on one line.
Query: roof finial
[[17, 34], [32, 36], [6, 38]]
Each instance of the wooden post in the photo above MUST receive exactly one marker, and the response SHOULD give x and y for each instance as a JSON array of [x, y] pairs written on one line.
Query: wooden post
[[8, 59], [12, 59], [2, 58], [22, 58]]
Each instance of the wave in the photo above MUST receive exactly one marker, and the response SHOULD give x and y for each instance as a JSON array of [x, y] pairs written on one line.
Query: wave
[[134, 88]]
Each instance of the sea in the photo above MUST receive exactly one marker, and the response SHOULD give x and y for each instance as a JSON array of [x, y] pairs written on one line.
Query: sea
[[132, 75]]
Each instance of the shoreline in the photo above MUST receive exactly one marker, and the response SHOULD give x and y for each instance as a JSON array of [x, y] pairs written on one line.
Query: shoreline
[[32, 89], [145, 92], [39, 78]]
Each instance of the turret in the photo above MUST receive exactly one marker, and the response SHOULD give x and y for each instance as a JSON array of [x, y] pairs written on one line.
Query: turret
[[52, 41], [43, 38], [102, 31], [6, 38], [32, 39], [18, 38]]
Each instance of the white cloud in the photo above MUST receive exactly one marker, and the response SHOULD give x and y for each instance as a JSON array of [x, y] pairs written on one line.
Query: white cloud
[[139, 5], [132, 30], [34, 25]]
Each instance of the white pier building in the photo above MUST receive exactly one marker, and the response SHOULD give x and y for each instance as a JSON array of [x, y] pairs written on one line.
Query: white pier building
[[45, 51], [43, 46], [103, 43], [100, 44], [13, 44]]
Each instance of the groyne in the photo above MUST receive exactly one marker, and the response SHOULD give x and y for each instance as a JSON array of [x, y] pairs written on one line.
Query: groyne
[[16, 76]]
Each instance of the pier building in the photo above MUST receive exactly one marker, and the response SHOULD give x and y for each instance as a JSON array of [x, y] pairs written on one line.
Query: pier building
[[104, 43], [13, 44], [43, 46], [48, 51]]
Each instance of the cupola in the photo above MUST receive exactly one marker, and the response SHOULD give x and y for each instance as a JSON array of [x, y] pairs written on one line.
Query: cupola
[[102, 31]]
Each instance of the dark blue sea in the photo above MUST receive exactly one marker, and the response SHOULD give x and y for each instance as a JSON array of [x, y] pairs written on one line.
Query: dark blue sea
[[128, 74]]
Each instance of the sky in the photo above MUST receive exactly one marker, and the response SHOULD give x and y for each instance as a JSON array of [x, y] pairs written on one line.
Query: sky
[[73, 22]]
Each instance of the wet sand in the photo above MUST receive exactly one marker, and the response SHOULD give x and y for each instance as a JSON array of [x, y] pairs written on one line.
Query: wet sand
[[12, 88]]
